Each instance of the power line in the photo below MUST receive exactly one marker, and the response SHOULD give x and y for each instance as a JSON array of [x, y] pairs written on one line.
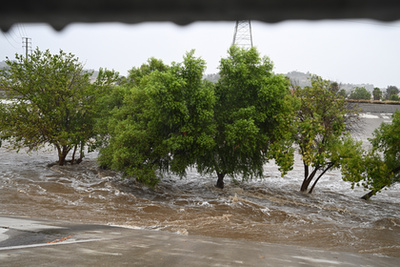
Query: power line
[[5, 36], [23, 29], [19, 30], [10, 34]]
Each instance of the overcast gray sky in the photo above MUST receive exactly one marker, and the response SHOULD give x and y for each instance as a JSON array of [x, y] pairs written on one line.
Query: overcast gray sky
[[345, 51]]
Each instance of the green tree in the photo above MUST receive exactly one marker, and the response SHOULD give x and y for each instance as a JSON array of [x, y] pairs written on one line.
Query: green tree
[[110, 103], [52, 102], [377, 93], [394, 98], [342, 93], [380, 167], [165, 122], [249, 102], [135, 75], [360, 93], [319, 131], [391, 91], [335, 87], [172, 119]]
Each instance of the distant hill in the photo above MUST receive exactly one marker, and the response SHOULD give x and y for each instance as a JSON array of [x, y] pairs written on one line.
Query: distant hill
[[303, 79]]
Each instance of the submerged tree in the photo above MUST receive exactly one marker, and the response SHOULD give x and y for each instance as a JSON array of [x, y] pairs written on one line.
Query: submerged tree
[[249, 101], [51, 102], [113, 102], [320, 131], [381, 165], [165, 122], [172, 119]]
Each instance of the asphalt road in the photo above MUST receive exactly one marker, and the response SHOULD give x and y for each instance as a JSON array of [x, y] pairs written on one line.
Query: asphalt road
[[27, 242]]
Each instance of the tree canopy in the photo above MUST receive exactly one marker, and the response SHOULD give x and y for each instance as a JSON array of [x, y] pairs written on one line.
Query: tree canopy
[[342, 93], [360, 93], [392, 93], [171, 119], [377, 93], [165, 122], [51, 102], [166, 118], [381, 164], [319, 131], [250, 100]]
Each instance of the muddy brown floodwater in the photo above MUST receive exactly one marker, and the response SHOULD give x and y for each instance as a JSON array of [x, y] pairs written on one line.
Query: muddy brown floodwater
[[268, 210]]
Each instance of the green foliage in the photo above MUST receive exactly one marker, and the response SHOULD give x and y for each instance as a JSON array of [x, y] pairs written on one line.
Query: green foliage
[[381, 164], [281, 149], [107, 105], [394, 98], [52, 102], [392, 92], [249, 100], [377, 93], [342, 93], [164, 123], [360, 93], [335, 87], [171, 119], [319, 131], [135, 75]]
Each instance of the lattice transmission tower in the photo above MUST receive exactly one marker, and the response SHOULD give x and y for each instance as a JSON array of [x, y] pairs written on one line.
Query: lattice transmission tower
[[243, 36]]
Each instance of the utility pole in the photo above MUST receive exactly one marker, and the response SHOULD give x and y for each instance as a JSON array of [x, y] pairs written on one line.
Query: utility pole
[[243, 36], [27, 44]]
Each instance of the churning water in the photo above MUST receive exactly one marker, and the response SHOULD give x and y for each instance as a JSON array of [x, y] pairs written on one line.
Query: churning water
[[269, 210]]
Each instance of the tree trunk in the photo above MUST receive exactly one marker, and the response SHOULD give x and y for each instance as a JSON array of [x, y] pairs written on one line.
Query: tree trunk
[[62, 154], [371, 194], [307, 178], [330, 165], [61, 159], [73, 155], [81, 154], [220, 181], [304, 185]]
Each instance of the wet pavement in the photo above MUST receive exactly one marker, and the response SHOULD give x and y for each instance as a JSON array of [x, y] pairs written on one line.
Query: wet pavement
[[28, 242]]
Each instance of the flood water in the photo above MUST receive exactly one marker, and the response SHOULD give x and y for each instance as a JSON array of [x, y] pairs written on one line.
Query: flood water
[[268, 210]]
